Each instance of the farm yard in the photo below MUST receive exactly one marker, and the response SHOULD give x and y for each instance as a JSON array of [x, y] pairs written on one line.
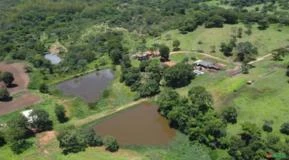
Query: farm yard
[[19, 91]]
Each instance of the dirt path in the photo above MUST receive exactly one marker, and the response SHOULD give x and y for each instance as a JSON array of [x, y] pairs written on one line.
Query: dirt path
[[203, 54], [94, 117], [260, 59]]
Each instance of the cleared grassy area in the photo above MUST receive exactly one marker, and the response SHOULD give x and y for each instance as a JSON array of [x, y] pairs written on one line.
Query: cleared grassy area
[[206, 39], [266, 99]]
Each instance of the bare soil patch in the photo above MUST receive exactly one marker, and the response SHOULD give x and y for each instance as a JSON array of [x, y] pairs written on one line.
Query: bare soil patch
[[46, 137], [25, 100], [21, 77]]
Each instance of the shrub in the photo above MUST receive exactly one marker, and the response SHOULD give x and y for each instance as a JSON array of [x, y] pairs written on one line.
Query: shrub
[[91, 139], [60, 114], [111, 144], [71, 142], [20, 146], [285, 128], [267, 126]]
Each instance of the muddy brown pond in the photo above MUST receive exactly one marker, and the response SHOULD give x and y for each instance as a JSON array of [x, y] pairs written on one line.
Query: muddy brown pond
[[88, 87], [140, 125]]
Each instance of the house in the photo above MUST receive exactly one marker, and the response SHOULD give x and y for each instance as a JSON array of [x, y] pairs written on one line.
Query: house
[[27, 115], [206, 65], [197, 72], [146, 55]]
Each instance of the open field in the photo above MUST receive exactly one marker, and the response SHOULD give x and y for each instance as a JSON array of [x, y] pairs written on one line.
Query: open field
[[206, 40]]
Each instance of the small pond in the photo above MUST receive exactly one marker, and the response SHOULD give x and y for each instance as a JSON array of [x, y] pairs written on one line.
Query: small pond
[[140, 125], [53, 58], [88, 87]]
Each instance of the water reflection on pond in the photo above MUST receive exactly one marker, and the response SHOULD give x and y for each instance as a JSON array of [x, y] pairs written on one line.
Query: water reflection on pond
[[88, 87], [140, 125]]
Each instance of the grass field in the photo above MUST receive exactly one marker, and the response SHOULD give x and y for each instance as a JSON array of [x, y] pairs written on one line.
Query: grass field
[[207, 39]]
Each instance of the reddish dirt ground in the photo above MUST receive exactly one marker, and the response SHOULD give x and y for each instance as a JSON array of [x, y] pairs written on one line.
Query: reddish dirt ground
[[45, 137], [23, 98], [21, 78], [21, 102]]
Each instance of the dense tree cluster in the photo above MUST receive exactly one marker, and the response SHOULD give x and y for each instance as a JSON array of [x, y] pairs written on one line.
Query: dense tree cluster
[[179, 75], [20, 128], [74, 141], [193, 115]]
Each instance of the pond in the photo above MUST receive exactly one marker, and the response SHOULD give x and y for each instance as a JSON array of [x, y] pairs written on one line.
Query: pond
[[140, 125], [88, 87], [53, 58]]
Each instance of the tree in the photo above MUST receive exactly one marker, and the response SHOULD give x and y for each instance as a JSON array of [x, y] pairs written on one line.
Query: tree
[[7, 78], [215, 21], [149, 88], [116, 56], [176, 45], [60, 113], [44, 88], [226, 49], [131, 76], [71, 142], [279, 54], [285, 128], [167, 99], [4, 94], [164, 52], [201, 98], [246, 51], [230, 115], [111, 144], [179, 75], [263, 24], [91, 139], [40, 120], [17, 128], [19, 146], [250, 132]]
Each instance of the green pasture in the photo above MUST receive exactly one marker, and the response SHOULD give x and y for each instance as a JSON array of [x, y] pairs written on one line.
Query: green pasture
[[208, 40]]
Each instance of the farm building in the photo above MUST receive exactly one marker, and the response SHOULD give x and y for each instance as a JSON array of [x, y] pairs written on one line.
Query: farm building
[[146, 55], [206, 65]]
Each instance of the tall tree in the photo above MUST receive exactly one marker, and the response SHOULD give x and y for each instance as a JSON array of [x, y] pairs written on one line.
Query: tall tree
[[164, 52], [7, 78], [40, 120]]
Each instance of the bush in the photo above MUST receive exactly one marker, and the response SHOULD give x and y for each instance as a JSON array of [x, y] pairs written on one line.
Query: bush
[[230, 115], [44, 88], [267, 126], [71, 142], [60, 114], [20, 146], [40, 120], [111, 144], [91, 139], [7, 78], [285, 128]]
